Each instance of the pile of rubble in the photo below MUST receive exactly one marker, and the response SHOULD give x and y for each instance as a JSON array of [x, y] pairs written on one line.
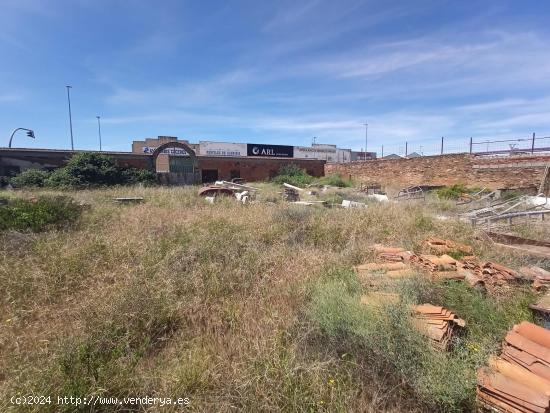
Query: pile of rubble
[[518, 381], [437, 323]]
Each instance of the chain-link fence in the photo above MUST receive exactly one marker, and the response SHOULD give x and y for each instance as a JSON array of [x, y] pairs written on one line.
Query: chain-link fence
[[447, 145]]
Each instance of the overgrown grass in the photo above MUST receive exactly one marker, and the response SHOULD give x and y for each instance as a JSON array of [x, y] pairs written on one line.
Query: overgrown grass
[[334, 180], [38, 214], [238, 307], [441, 381]]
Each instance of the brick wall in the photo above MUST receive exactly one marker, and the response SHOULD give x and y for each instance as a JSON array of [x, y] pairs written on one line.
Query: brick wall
[[493, 173], [256, 169]]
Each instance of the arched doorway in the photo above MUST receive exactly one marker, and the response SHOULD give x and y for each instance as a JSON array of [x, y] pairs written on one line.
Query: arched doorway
[[180, 164]]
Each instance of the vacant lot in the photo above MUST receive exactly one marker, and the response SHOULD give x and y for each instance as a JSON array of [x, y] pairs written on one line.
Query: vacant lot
[[237, 307]]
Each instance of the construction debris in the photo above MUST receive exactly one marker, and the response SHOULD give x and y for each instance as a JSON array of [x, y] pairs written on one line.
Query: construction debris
[[215, 190], [372, 188], [444, 246], [539, 276], [129, 200], [379, 197], [352, 204], [466, 198], [437, 323], [411, 192], [541, 310], [291, 193], [518, 381], [243, 193], [522, 206]]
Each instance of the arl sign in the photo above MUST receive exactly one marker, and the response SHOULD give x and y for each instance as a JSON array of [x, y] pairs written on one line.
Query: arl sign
[[278, 151]]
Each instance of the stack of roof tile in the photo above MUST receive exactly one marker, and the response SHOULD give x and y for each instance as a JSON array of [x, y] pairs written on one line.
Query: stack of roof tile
[[391, 269], [437, 323], [470, 268], [439, 267], [445, 246], [519, 381], [493, 277], [392, 254]]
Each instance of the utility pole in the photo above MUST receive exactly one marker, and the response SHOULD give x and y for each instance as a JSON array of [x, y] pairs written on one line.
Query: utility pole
[[366, 138], [314, 147], [99, 130], [70, 116]]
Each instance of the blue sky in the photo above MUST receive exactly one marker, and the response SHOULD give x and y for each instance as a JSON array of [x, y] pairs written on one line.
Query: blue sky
[[275, 72]]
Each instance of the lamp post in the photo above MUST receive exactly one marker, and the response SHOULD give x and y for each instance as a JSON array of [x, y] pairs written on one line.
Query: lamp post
[[70, 116], [99, 131], [30, 134]]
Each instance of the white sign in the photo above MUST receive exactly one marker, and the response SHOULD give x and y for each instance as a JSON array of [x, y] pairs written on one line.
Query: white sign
[[222, 148], [168, 151], [307, 152]]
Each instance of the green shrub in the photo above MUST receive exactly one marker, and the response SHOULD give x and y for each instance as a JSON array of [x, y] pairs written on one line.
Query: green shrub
[[60, 178], [40, 214], [4, 181], [132, 176], [292, 174], [30, 178], [451, 192], [87, 169], [334, 180]]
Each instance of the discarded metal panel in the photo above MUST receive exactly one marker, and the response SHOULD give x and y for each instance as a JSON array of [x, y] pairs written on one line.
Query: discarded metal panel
[[216, 190], [411, 192]]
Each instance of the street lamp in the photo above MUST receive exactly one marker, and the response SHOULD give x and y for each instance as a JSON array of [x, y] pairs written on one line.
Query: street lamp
[[30, 134], [99, 130], [70, 116]]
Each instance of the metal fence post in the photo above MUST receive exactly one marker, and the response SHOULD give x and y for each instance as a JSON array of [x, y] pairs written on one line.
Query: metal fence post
[[533, 144], [442, 145], [382, 151], [406, 148], [471, 144]]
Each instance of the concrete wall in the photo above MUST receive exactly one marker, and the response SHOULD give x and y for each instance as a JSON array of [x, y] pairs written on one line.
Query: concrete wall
[[494, 173]]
